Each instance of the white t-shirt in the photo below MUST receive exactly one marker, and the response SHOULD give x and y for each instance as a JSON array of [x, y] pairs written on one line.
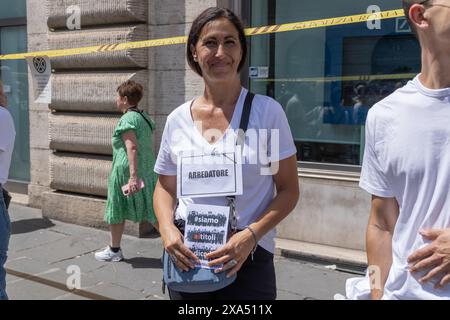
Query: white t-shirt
[[180, 134], [407, 156], [7, 137]]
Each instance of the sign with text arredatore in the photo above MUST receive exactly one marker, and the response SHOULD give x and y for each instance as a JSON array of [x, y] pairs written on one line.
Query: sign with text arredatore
[[209, 175]]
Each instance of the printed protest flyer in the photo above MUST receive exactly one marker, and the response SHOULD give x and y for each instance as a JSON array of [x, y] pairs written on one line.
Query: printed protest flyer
[[206, 230]]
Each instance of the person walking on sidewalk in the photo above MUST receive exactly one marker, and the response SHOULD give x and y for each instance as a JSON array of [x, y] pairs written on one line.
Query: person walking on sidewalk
[[7, 137], [406, 168], [216, 51], [132, 179]]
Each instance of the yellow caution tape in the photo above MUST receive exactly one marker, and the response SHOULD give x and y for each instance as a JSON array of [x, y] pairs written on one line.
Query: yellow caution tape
[[343, 78], [326, 22], [97, 48], [183, 39]]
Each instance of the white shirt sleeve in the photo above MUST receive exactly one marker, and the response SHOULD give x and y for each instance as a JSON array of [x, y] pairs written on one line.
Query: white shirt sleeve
[[373, 178], [280, 134], [7, 132], [165, 164]]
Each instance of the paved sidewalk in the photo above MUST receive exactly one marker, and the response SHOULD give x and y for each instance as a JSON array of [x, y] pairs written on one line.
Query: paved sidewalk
[[42, 251]]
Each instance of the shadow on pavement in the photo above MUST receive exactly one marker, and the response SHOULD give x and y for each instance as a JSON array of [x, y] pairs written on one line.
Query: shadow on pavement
[[30, 225], [141, 263]]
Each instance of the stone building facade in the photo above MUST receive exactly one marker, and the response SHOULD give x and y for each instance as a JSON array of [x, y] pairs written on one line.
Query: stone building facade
[[70, 139]]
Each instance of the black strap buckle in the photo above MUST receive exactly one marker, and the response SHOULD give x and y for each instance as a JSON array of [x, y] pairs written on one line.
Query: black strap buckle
[[233, 217]]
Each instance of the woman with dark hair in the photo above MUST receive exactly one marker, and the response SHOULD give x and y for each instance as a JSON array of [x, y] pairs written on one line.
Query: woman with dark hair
[[132, 181], [216, 51]]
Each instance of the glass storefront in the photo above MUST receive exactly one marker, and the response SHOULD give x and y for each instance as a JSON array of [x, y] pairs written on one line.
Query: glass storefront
[[14, 74], [328, 78], [12, 9]]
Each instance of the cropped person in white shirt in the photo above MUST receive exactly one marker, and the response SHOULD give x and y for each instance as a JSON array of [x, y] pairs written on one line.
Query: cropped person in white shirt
[[7, 137], [406, 168], [217, 51]]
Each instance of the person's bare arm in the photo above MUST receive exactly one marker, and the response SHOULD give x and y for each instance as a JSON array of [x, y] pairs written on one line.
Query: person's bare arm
[[129, 138], [241, 244], [164, 201], [288, 193], [3, 101], [383, 217], [3, 97]]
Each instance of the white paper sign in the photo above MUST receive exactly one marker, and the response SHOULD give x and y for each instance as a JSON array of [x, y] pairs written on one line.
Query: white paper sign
[[41, 72], [209, 175], [259, 72], [206, 230]]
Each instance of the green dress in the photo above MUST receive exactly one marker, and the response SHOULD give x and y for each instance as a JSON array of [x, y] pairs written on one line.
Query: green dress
[[138, 207]]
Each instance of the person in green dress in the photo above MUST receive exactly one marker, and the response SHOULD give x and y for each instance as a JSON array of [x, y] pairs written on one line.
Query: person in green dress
[[132, 170]]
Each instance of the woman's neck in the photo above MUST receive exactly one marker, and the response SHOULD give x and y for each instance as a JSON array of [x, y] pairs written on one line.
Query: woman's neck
[[222, 95], [133, 108]]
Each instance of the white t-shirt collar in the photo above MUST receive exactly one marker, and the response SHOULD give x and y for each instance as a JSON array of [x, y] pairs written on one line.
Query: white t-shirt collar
[[436, 93], [234, 123]]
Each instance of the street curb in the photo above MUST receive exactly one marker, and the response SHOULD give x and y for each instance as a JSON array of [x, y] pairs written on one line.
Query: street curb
[[336, 258], [19, 199], [335, 263]]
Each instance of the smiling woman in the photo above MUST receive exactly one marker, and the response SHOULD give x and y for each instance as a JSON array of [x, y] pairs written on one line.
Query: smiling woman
[[228, 26], [217, 51]]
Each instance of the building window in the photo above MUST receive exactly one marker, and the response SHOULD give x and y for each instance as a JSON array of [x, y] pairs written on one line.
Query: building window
[[14, 75], [328, 78]]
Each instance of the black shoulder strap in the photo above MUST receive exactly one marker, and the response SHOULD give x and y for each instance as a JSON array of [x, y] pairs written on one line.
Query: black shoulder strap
[[245, 117], [246, 111], [141, 113]]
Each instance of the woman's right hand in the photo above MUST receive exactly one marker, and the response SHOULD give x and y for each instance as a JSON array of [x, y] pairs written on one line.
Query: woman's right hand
[[133, 186], [178, 252]]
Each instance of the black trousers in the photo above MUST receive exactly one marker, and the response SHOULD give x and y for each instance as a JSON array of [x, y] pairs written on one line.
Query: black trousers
[[255, 281]]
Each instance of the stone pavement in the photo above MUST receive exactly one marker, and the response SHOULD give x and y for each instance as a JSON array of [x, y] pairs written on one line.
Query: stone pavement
[[44, 254]]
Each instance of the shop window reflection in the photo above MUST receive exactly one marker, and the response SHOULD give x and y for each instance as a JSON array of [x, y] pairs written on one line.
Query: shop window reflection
[[327, 79]]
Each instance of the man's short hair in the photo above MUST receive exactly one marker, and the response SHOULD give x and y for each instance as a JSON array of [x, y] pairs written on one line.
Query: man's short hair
[[407, 4]]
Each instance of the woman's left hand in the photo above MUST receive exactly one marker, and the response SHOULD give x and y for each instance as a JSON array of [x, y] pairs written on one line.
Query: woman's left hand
[[233, 255]]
